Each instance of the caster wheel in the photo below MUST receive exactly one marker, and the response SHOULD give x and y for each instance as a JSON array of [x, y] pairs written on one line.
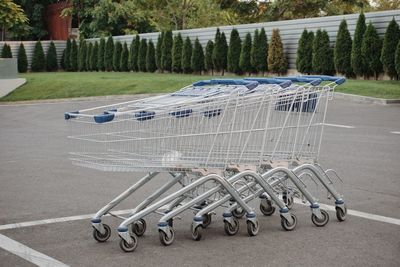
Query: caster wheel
[[341, 214], [164, 239], [231, 229], [206, 220], [252, 228], [320, 222], [286, 225], [139, 227], [102, 237], [238, 213], [126, 247], [266, 208], [197, 232], [289, 201]]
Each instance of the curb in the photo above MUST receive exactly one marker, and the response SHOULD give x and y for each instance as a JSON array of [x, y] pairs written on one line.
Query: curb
[[366, 99]]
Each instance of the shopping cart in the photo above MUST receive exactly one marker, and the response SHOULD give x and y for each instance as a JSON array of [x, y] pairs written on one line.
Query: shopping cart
[[221, 139]]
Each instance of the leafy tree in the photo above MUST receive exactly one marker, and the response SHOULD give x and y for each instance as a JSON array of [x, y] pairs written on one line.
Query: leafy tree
[[397, 59], [38, 58], [22, 59], [166, 54], [322, 60], [82, 56], [357, 61], [6, 52], [370, 49], [11, 15], [235, 46], [108, 54], [186, 56], [259, 51], [73, 59], [208, 64], [277, 62], [134, 53], [123, 63], [51, 59], [390, 41], [177, 53], [151, 57], [117, 56], [160, 41], [94, 56], [342, 51], [67, 56], [245, 55], [89, 49], [197, 60], [142, 55], [224, 50], [304, 52], [100, 55]]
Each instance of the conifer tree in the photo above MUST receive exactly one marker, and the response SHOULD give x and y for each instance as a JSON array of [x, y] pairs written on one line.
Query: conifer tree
[[357, 62], [160, 40], [186, 56], [151, 57], [254, 49], [89, 49], [82, 55], [74, 56], [371, 48], [304, 52], [6, 52], [224, 49], [177, 53], [117, 56], [261, 53], [38, 58], [208, 64], [134, 53], [62, 61], [93, 57], [235, 46], [277, 62], [100, 55], [22, 59], [123, 62], [245, 55], [217, 52], [142, 55], [67, 56], [108, 54], [397, 59], [166, 54], [342, 51], [390, 41], [322, 60], [197, 59], [51, 58]]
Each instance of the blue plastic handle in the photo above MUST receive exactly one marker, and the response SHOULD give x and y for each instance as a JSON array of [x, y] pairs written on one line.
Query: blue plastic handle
[[106, 117], [282, 83], [301, 79], [249, 84], [337, 80]]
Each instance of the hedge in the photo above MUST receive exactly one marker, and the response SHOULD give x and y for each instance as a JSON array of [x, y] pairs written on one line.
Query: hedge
[[22, 59], [51, 59], [38, 58], [390, 41]]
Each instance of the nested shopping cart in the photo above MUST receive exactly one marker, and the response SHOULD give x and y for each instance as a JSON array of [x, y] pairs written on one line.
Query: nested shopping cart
[[225, 141]]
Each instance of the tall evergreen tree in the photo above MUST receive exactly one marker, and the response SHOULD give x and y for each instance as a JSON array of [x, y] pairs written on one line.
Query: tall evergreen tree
[[38, 58], [134, 53], [235, 46], [117, 56], [160, 41], [151, 57], [142, 55], [197, 59], [67, 57], [100, 55], [186, 56], [397, 59], [304, 52], [322, 60], [371, 48], [357, 62], [93, 57], [6, 52], [108, 54], [82, 55], [62, 61], [89, 49], [261, 64], [390, 41], [74, 56], [208, 63], [166, 55], [177, 53], [224, 49], [217, 52], [245, 55], [277, 62], [51, 58], [342, 51], [254, 50], [123, 62], [22, 59]]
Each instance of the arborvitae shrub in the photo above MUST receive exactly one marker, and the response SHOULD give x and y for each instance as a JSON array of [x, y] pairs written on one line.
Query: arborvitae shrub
[[235, 46], [51, 59], [100, 55], [151, 57], [6, 52], [142, 55], [134, 53], [208, 64], [304, 52], [123, 62], [74, 56], [259, 51], [186, 56], [22, 59], [397, 59], [197, 60], [67, 56], [224, 48], [38, 58], [217, 52], [177, 53], [108, 54], [160, 41], [357, 62], [322, 60], [245, 55], [117, 56], [277, 62], [371, 48], [89, 49], [62, 61], [390, 41], [93, 57], [82, 56], [253, 50], [342, 51], [166, 56]]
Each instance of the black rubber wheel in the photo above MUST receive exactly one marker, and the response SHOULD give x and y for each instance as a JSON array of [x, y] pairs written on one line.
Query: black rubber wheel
[[320, 222], [139, 227], [268, 209], [252, 229], [289, 201], [164, 239], [238, 213], [102, 237], [231, 229], [206, 220], [286, 225], [341, 214], [128, 247], [197, 232]]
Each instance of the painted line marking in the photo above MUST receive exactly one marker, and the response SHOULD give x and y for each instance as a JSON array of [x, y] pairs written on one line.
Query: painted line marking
[[339, 126], [395, 132], [360, 214], [27, 253]]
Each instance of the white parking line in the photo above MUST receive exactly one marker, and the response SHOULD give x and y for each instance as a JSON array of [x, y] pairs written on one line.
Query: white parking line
[[27, 253], [340, 126], [395, 132]]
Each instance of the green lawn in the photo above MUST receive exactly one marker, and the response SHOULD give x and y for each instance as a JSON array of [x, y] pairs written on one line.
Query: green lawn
[[75, 84]]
